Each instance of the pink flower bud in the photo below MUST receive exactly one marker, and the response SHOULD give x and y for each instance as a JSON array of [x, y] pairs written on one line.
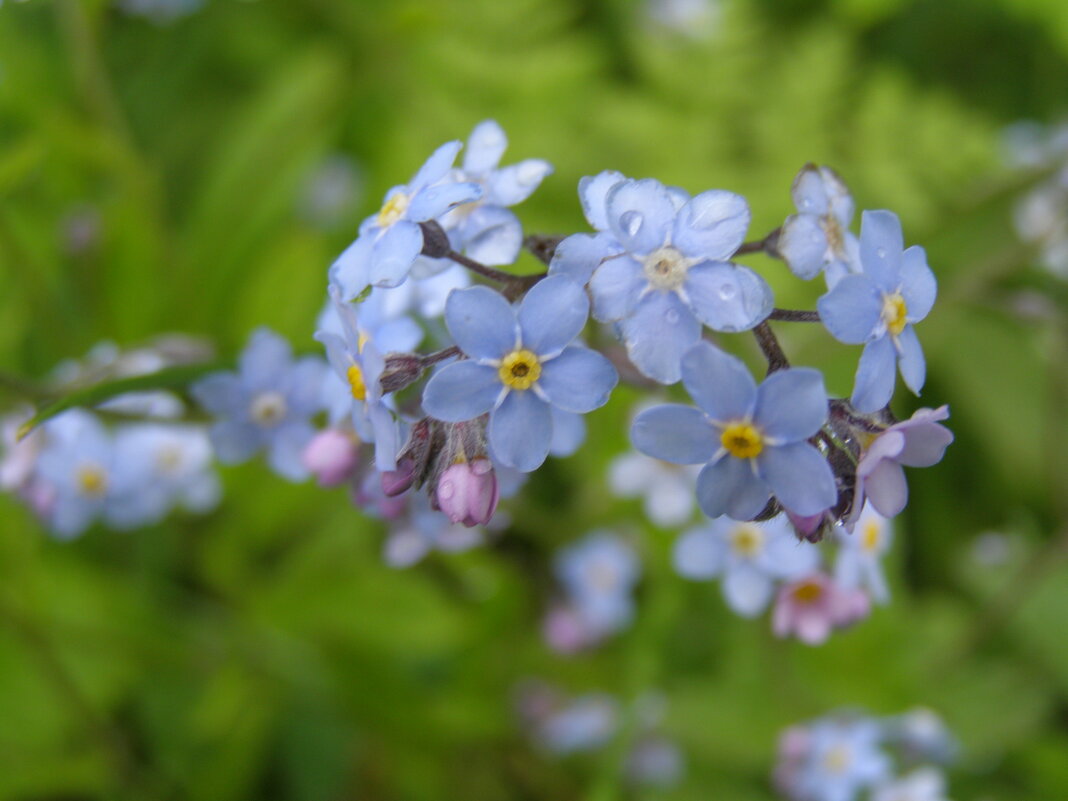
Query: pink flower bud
[[394, 482], [467, 492], [331, 456]]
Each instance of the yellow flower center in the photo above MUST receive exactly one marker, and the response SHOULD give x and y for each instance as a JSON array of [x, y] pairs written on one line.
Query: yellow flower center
[[894, 313], [92, 480], [808, 592], [747, 540], [356, 383], [268, 408], [837, 759], [871, 535], [742, 440], [665, 268], [520, 369], [832, 229], [392, 210]]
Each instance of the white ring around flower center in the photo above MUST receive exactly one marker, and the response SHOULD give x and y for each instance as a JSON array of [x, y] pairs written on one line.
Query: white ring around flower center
[[665, 268]]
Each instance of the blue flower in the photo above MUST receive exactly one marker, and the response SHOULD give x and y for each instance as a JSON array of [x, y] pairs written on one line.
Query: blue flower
[[484, 229], [659, 267], [84, 479], [391, 240], [265, 405], [599, 573], [358, 363], [752, 439], [520, 365], [750, 557], [860, 554], [818, 237], [879, 307], [843, 758]]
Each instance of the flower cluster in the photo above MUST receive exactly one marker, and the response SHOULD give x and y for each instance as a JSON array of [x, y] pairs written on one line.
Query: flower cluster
[[848, 756], [451, 379]]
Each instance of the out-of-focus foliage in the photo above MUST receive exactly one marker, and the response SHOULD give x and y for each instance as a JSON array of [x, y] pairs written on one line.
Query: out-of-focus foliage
[[151, 179]]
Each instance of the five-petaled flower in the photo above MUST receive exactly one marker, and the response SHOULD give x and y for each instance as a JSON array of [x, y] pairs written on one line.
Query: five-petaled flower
[[751, 438], [818, 237], [659, 267], [520, 365], [878, 308]]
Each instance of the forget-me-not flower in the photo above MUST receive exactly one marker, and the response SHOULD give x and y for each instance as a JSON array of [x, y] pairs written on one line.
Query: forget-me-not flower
[[391, 240], [878, 308], [860, 553], [667, 490], [358, 362], [483, 228], [752, 439], [659, 267], [598, 574], [265, 405], [750, 557], [520, 364], [818, 237], [843, 759]]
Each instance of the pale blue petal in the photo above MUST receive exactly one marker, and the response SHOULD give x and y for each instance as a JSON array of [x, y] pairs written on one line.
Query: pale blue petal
[[881, 246], [552, 314], [809, 192], [720, 383], [234, 442], [874, 383], [711, 225], [699, 554], [729, 487], [578, 380], [803, 244], [799, 477], [521, 430], [640, 214], [727, 297], [386, 437], [918, 285], [515, 183], [287, 445], [481, 322], [911, 362], [791, 404], [71, 515], [434, 201], [851, 311], [337, 353], [491, 235], [305, 396], [787, 557], [485, 147], [746, 590], [394, 252], [219, 393], [838, 195], [593, 191], [461, 391], [435, 167], [657, 335], [569, 432], [401, 334], [265, 360], [580, 254], [352, 270], [616, 287], [675, 433]]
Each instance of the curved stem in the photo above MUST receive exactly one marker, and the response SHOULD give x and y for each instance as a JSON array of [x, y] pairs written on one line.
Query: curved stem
[[770, 347]]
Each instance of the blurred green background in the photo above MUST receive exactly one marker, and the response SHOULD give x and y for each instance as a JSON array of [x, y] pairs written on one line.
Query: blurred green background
[[155, 177]]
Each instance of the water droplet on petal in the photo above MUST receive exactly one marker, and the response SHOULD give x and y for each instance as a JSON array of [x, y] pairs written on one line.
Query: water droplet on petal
[[806, 203], [631, 222], [671, 316], [727, 291], [446, 490], [881, 253]]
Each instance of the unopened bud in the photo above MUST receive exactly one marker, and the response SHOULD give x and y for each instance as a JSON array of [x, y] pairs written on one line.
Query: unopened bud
[[401, 370], [331, 456], [394, 482], [467, 492], [436, 243]]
